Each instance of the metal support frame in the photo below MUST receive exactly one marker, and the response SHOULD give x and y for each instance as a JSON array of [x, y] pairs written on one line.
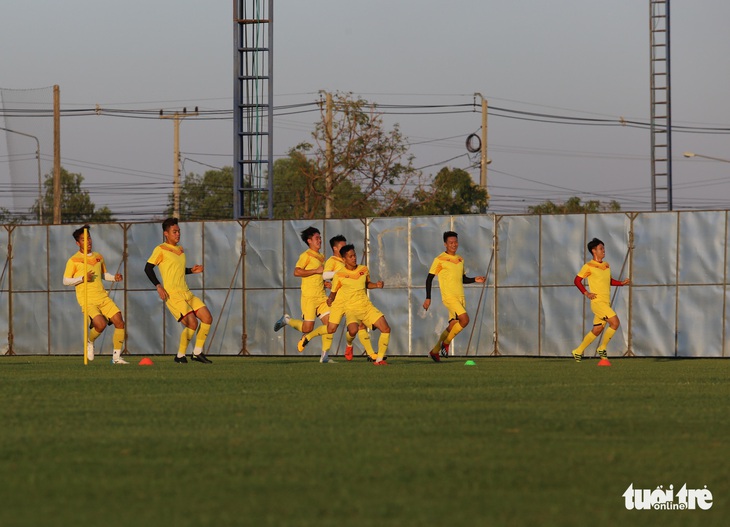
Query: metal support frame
[[661, 106], [253, 117]]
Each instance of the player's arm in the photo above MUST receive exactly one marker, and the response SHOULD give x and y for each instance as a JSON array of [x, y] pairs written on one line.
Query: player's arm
[[618, 283], [579, 284], [303, 273], [429, 283], [194, 269], [70, 280], [149, 270], [470, 280], [375, 285]]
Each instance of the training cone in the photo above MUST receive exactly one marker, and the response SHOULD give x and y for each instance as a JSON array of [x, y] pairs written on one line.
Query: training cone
[[470, 363], [604, 362], [146, 362]]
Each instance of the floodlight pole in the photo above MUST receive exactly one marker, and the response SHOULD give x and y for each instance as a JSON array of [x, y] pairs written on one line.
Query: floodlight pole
[[38, 158]]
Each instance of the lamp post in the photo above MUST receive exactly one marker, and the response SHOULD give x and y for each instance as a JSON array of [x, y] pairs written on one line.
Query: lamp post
[[38, 158], [692, 154]]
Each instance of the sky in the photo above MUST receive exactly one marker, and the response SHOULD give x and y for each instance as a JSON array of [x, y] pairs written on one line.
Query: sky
[[569, 58]]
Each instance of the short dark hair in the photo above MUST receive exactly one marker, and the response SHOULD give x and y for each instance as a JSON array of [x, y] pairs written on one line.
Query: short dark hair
[[79, 232], [346, 249], [595, 242], [450, 234], [337, 239], [307, 233], [169, 222]]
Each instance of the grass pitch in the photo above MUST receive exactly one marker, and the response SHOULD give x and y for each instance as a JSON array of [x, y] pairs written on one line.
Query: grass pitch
[[287, 441]]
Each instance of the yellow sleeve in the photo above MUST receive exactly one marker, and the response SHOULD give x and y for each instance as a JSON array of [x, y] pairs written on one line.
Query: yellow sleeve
[[70, 271], [156, 257]]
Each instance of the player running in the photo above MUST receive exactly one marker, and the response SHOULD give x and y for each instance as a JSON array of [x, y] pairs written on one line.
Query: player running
[[334, 264], [310, 267], [349, 297], [101, 309], [182, 303], [598, 274], [450, 269]]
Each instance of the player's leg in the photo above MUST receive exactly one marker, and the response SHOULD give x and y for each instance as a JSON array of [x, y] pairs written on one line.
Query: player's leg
[[202, 313], [313, 308], [364, 338], [382, 325], [608, 334], [590, 337], [112, 313], [327, 337], [97, 323]]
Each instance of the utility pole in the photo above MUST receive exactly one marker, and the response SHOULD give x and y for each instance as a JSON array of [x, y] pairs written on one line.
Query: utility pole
[[56, 155], [483, 162], [330, 160], [176, 118]]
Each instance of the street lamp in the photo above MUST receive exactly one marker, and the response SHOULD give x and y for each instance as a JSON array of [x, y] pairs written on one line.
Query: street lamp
[[38, 158], [692, 154]]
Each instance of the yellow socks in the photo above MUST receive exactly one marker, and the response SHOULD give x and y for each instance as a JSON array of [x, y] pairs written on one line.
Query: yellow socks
[[296, 324], [321, 331], [118, 338], [442, 337], [93, 335], [185, 338], [383, 344], [327, 340], [590, 337], [349, 338], [607, 335], [455, 330], [203, 330], [364, 336]]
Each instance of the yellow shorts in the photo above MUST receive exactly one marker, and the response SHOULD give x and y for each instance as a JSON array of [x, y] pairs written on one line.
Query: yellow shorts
[[602, 312], [313, 307], [456, 306], [368, 315], [106, 308], [180, 304]]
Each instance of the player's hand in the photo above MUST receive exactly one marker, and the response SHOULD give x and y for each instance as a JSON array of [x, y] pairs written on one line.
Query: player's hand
[[379, 284], [480, 279], [590, 295], [161, 291], [626, 282], [118, 277], [427, 304], [90, 276], [319, 270], [196, 269]]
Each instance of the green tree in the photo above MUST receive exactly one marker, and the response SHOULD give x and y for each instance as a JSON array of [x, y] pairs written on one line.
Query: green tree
[[297, 195], [574, 205], [452, 192], [368, 163], [206, 197], [76, 205]]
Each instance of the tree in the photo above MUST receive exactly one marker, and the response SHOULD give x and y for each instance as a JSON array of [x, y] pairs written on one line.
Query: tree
[[367, 166], [452, 191], [574, 206], [292, 199], [206, 197], [76, 205]]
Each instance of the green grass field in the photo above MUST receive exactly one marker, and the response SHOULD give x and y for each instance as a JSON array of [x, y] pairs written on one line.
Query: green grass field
[[289, 441]]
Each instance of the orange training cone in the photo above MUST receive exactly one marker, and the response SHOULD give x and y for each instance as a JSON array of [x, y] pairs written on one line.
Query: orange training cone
[[146, 362], [604, 362]]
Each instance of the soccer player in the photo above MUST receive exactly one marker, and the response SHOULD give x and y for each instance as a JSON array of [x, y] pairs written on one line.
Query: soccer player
[[598, 274], [450, 269], [182, 303], [101, 309], [310, 267], [349, 297], [334, 264]]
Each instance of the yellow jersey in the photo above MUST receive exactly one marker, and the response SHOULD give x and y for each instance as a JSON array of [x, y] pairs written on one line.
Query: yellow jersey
[[170, 259], [312, 286], [351, 287], [598, 275], [450, 270], [75, 269]]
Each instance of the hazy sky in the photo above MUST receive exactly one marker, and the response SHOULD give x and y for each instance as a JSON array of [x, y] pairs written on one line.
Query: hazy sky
[[577, 58]]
